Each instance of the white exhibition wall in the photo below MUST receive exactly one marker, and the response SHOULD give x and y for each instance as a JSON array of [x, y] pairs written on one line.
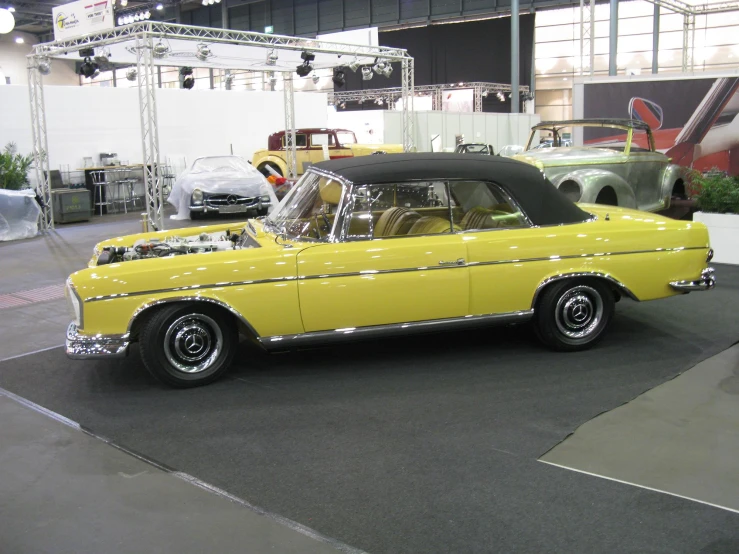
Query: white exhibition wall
[[85, 121], [382, 126]]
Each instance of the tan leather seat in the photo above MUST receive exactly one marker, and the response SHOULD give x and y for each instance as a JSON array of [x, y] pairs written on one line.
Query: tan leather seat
[[430, 225], [482, 218], [395, 221]]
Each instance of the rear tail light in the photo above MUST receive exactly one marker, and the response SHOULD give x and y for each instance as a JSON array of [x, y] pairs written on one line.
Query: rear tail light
[[709, 257]]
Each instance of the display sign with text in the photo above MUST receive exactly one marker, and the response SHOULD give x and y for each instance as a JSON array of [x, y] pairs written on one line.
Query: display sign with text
[[82, 18]]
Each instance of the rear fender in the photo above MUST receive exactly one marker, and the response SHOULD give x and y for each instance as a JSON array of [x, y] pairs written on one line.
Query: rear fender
[[591, 181], [673, 173]]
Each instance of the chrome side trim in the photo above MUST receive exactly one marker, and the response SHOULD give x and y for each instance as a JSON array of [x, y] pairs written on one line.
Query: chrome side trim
[[384, 271], [148, 305], [706, 282], [598, 275], [79, 347], [281, 342]]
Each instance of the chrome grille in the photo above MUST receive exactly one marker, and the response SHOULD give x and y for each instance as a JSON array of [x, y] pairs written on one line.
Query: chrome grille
[[217, 200]]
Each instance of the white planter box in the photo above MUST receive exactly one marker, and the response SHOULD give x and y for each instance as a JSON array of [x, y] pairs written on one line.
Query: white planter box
[[723, 230]]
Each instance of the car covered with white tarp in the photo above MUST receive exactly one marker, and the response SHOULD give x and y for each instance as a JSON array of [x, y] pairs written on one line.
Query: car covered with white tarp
[[221, 184]]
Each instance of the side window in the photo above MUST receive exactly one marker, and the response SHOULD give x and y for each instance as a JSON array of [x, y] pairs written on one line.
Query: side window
[[301, 141], [400, 209], [483, 206], [322, 139]]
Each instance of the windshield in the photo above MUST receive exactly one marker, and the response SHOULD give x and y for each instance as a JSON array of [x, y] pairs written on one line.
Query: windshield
[[309, 209], [223, 164], [473, 148], [346, 137]]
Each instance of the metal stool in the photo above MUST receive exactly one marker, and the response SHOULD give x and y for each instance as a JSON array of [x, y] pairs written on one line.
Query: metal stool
[[128, 184], [100, 186]]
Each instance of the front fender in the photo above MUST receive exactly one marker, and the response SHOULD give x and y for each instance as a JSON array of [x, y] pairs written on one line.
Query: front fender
[[592, 180]]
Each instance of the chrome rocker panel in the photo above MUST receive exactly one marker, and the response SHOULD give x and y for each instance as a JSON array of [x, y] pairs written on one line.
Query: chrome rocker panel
[[706, 282], [79, 347], [286, 342]]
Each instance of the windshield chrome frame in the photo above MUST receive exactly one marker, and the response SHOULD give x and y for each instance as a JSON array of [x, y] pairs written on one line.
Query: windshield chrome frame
[[340, 210]]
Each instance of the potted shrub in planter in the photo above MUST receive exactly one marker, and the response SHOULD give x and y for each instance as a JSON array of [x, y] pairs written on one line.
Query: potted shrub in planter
[[717, 199]]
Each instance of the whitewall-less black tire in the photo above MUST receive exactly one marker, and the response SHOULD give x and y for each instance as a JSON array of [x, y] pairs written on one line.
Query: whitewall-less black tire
[[188, 345], [574, 314]]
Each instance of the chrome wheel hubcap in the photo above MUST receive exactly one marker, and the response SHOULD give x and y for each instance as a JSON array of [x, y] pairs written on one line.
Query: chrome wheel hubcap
[[579, 312], [192, 343]]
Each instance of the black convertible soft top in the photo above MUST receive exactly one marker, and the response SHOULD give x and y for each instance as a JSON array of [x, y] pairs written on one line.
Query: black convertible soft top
[[541, 201]]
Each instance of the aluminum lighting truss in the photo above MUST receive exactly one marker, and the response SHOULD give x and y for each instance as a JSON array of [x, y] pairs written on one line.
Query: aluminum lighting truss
[[149, 131], [290, 146], [587, 42], [481, 90], [40, 145], [142, 35]]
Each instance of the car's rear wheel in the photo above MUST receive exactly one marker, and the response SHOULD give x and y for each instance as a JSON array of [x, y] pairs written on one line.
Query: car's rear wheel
[[574, 314], [188, 345]]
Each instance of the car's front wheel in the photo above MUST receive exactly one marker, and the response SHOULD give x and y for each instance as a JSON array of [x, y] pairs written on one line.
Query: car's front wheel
[[574, 314], [188, 345]]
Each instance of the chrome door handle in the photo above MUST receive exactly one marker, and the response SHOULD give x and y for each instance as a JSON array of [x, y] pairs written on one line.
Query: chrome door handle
[[459, 261]]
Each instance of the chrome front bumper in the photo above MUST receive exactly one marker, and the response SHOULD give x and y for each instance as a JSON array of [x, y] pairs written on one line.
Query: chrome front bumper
[[706, 282], [80, 347]]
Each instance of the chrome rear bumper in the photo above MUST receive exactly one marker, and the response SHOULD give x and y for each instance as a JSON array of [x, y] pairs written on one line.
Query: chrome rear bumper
[[80, 347], [706, 282]]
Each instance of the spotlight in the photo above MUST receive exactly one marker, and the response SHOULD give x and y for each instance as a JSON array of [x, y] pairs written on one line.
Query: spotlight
[[120, 21], [378, 101], [19, 40], [160, 50], [147, 14], [485, 93], [307, 56], [315, 79], [89, 69], [342, 105], [304, 69], [188, 82], [367, 73], [271, 57], [124, 3], [131, 74], [205, 2], [103, 56], [383, 68], [185, 71], [136, 16], [354, 65], [44, 66], [11, 9], [160, 7], [203, 52], [339, 78], [500, 96]]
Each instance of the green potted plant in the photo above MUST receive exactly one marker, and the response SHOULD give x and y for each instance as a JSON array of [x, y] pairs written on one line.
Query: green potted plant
[[717, 197], [14, 168]]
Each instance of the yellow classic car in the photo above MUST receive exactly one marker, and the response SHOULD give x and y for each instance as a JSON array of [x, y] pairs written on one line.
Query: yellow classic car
[[364, 247], [309, 149]]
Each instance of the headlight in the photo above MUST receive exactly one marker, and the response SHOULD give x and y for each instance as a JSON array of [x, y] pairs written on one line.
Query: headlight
[[197, 196], [75, 305], [265, 199]]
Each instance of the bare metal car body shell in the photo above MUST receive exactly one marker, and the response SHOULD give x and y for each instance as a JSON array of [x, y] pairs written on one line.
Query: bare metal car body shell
[[612, 172]]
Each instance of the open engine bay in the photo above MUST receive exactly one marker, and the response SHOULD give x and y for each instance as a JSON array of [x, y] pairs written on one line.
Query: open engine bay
[[177, 246]]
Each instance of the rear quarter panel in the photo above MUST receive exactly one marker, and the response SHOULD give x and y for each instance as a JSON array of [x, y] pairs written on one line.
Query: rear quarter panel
[[640, 250]]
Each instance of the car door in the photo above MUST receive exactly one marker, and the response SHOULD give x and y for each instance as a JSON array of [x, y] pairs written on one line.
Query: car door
[[396, 260], [321, 139], [644, 171], [497, 237]]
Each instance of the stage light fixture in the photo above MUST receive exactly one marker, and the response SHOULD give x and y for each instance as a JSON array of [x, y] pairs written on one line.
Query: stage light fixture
[[7, 21], [354, 65], [367, 73], [272, 57], [160, 7], [188, 81], [307, 57], [315, 78], [203, 52], [160, 50], [124, 3], [383, 68], [11, 9], [89, 69], [485, 94], [44, 66], [131, 74], [501, 96], [120, 21], [342, 105], [339, 78], [304, 69], [147, 14], [19, 40]]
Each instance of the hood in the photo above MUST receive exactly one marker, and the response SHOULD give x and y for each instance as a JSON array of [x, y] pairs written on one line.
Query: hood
[[549, 157]]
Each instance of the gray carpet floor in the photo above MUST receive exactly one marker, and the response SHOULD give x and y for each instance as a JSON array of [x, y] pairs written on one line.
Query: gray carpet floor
[[422, 445]]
